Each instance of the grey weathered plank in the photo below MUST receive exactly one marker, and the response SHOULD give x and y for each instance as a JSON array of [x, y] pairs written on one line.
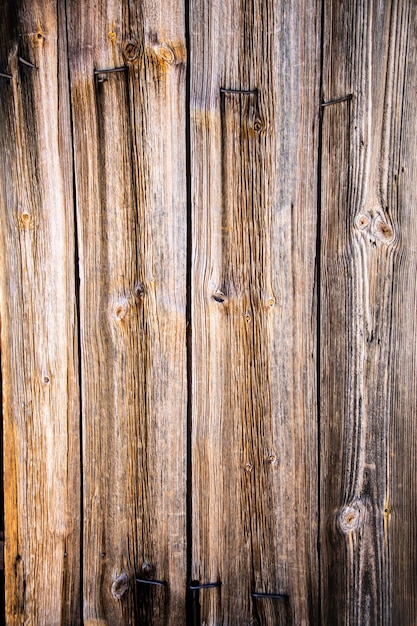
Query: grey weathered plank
[[38, 319], [368, 287], [129, 138], [254, 438]]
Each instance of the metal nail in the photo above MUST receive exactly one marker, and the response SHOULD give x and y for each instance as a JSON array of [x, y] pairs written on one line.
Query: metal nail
[[156, 583], [327, 103], [253, 92], [28, 63], [271, 596]]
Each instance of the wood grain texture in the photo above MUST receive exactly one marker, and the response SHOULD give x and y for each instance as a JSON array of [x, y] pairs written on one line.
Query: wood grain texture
[[129, 143], [254, 439], [280, 198], [38, 319], [368, 287]]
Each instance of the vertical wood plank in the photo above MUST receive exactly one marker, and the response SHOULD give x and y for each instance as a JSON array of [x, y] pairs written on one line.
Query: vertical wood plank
[[400, 510], [368, 288], [129, 130], [38, 319], [254, 116]]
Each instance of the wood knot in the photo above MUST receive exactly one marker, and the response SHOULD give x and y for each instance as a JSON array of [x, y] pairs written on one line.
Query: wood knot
[[164, 53], [218, 296], [38, 38], [131, 51], [362, 221], [148, 570], [121, 309], [140, 291], [120, 586], [25, 220], [375, 226], [127, 300], [384, 231], [259, 125], [349, 519]]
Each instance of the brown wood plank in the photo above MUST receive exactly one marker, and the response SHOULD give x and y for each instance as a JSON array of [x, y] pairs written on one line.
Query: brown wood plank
[[369, 292], [254, 439], [129, 129], [38, 319]]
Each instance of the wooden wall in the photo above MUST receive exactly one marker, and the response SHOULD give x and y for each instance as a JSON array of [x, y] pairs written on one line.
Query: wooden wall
[[208, 289]]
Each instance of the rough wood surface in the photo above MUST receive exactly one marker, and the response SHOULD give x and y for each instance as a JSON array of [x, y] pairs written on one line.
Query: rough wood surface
[[369, 291], [302, 262], [38, 313], [254, 440], [129, 145]]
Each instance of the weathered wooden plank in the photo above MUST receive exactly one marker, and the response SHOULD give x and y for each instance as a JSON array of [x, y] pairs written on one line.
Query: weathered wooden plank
[[38, 319], [369, 294], [254, 119], [129, 133]]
